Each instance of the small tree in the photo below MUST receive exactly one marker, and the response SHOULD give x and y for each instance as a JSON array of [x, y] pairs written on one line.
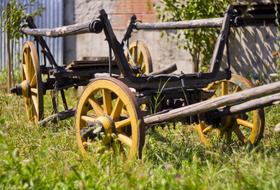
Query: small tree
[[199, 42], [14, 13]]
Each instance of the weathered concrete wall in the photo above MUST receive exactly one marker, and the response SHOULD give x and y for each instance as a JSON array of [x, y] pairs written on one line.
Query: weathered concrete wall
[[250, 48], [69, 43], [252, 52], [163, 52]]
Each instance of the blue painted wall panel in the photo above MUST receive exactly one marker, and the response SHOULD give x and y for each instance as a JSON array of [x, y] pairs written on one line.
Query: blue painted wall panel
[[51, 17]]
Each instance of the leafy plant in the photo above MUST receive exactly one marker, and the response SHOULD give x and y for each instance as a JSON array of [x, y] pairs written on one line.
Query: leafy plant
[[199, 42], [158, 98], [13, 15]]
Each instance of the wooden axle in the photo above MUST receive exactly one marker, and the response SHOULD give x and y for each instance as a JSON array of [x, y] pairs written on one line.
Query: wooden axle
[[212, 104], [199, 23]]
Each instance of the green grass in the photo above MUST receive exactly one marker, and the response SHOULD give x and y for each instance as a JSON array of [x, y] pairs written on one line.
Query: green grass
[[48, 158]]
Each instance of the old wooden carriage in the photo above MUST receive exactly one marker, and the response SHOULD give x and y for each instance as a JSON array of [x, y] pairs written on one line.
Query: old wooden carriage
[[117, 107]]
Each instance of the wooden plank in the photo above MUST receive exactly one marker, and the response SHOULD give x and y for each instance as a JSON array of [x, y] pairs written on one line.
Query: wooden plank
[[212, 104]]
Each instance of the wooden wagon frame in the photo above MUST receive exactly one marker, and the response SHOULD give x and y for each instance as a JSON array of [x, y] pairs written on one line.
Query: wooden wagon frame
[[123, 102]]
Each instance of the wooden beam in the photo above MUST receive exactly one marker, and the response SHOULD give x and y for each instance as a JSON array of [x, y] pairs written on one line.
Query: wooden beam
[[81, 28], [252, 105], [212, 104], [190, 24]]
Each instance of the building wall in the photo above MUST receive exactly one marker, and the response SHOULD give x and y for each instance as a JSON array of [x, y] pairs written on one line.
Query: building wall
[[252, 52], [120, 11], [51, 17], [250, 48]]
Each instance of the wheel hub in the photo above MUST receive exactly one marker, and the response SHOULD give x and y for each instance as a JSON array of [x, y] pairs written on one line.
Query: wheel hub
[[107, 123], [100, 124], [23, 89], [227, 121]]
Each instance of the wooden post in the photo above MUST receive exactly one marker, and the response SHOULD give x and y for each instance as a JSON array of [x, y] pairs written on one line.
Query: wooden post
[[8, 53]]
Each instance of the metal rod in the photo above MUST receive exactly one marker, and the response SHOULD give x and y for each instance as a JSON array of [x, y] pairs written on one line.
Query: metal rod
[[200, 23]]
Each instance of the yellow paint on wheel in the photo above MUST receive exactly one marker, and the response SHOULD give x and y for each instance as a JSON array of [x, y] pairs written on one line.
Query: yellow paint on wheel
[[32, 82], [243, 127], [139, 55], [107, 112]]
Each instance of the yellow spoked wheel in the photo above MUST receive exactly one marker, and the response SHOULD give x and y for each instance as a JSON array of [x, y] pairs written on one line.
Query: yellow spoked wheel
[[246, 127], [32, 88], [139, 56], [107, 112]]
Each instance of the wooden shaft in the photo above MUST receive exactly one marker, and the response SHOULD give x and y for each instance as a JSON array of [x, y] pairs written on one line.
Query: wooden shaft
[[200, 23], [212, 104], [81, 28], [59, 31], [252, 105]]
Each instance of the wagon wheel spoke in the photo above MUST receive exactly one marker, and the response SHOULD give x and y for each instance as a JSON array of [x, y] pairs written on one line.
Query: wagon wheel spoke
[[35, 103], [123, 123], [34, 91], [107, 101], [239, 133], [237, 89], [207, 129], [125, 139], [24, 67], [235, 128], [87, 118], [30, 73], [134, 55], [143, 67], [244, 123], [224, 89], [116, 112], [128, 131], [96, 107], [27, 66], [140, 59], [33, 81]]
